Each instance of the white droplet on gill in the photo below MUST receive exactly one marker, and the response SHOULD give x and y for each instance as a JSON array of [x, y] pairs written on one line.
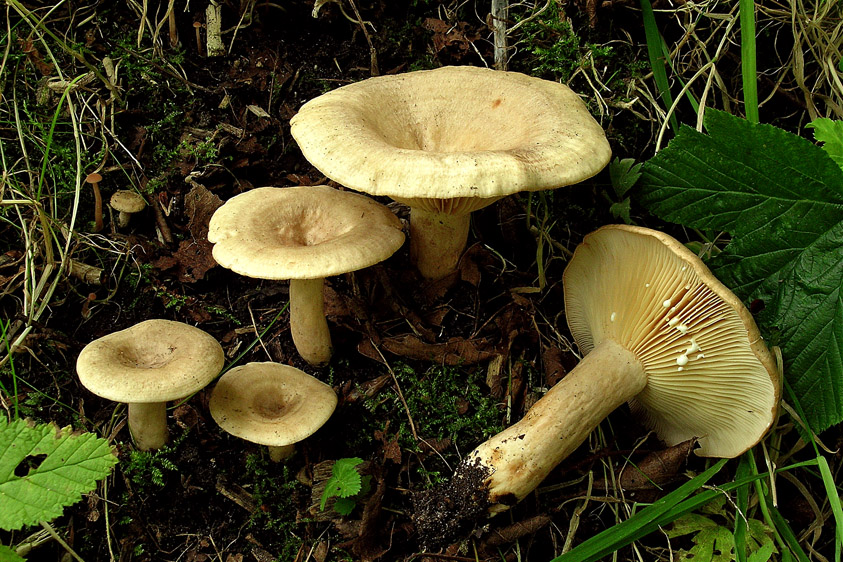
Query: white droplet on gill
[[613, 316], [682, 360], [666, 303]]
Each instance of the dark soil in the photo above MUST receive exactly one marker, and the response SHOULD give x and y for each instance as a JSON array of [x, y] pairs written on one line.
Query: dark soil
[[196, 140]]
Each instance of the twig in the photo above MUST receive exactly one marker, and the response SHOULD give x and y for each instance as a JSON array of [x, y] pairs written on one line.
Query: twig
[[373, 54]]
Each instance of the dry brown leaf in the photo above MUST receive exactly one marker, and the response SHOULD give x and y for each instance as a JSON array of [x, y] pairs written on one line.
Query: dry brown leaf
[[453, 352]]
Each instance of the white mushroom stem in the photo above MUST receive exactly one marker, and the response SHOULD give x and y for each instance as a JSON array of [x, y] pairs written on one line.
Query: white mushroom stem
[[280, 452], [307, 321], [123, 219], [522, 455], [148, 424], [437, 241]]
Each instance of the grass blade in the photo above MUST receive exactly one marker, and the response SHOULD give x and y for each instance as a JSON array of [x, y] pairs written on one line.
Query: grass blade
[[742, 505], [657, 58], [748, 71], [834, 501], [640, 524]]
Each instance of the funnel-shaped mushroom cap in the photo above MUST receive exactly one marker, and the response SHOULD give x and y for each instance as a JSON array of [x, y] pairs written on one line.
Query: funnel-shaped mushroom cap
[[464, 134], [271, 404], [304, 232], [153, 361], [709, 374]]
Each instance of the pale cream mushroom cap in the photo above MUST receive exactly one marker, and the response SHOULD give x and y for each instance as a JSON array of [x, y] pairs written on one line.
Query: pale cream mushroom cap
[[306, 232], [127, 201], [153, 361], [271, 404], [709, 373], [452, 139]]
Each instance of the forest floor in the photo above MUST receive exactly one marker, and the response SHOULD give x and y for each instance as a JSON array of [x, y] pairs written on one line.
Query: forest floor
[[424, 371]]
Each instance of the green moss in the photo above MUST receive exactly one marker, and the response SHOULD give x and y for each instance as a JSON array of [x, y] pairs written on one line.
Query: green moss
[[444, 402], [275, 490]]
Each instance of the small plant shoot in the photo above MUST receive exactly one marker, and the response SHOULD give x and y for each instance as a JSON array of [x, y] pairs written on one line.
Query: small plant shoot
[[345, 483]]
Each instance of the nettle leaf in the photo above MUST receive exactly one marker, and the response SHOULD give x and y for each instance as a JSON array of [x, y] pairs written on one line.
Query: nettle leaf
[[781, 198], [44, 469], [344, 482], [830, 134], [623, 174], [713, 542], [9, 555]]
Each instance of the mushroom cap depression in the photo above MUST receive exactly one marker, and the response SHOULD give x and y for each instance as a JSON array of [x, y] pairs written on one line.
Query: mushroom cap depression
[[709, 373], [305, 232], [153, 361], [271, 404], [127, 201], [457, 133]]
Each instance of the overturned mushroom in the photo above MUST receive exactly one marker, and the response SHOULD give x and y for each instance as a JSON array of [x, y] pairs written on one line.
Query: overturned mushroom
[[271, 404], [146, 366], [303, 234], [658, 331], [448, 142]]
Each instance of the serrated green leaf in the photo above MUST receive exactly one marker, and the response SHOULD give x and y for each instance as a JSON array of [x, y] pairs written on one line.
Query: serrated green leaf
[[781, 197], [623, 174], [344, 482], [71, 466], [762, 536], [9, 555], [830, 134], [621, 210], [344, 506]]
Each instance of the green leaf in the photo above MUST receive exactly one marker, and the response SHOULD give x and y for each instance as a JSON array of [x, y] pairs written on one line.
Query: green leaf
[[9, 555], [623, 174], [344, 482], [712, 542], [621, 210], [44, 468], [830, 134], [781, 197], [344, 506], [641, 524]]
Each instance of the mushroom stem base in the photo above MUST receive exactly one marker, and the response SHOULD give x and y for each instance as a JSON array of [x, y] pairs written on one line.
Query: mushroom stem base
[[307, 321], [437, 241], [148, 425], [506, 468]]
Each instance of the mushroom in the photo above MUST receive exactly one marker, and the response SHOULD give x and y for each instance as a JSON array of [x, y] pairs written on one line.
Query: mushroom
[[271, 404], [147, 365], [303, 234], [657, 330], [94, 179], [447, 142], [126, 203]]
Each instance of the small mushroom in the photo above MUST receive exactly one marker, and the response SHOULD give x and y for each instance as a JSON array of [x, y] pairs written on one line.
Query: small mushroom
[[271, 404], [94, 179], [659, 331], [447, 142], [303, 234], [147, 365], [126, 203]]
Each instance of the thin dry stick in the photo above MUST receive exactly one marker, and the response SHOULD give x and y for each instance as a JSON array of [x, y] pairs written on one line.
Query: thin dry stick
[[500, 15], [373, 54]]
